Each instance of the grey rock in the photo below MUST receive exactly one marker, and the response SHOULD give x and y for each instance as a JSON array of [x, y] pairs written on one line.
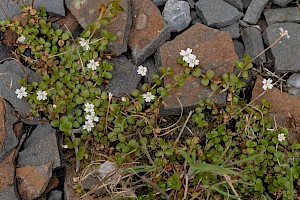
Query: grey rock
[[159, 2], [125, 78], [40, 148], [53, 6], [239, 48], [294, 91], [243, 24], [194, 15], [177, 15], [281, 3], [9, 193], [280, 15], [233, 30], [236, 3], [150, 64], [294, 80], [5, 51], [246, 3], [217, 13], [287, 51], [9, 9], [55, 195], [13, 71], [192, 3], [197, 20], [254, 11], [253, 42]]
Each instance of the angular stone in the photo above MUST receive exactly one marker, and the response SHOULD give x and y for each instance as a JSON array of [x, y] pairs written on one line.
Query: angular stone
[[124, 77], [177, 15], [151, 67], [40, 148], [56, 195], [5, 51], [294, 84], [33, 180], [281, 3], [246, 3], [236, 3], [13, 71], [87, 11], [68, 21], [280, 15], [254, 44], [217, 13], [254, 11], [8, 138], [192, 3], [287, 51], [215, 51], [53, 6], [7, 180], [148, 30], [159, 2], [233, 29], [239, 48]]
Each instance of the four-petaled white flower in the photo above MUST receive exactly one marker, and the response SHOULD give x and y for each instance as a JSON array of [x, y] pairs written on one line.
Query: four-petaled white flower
[[41, 95], [84, 43], [192, 61], [21, 92], [267, 84], [110, 95], [186, 53], [21, 39], [92, 117], [123, 99], [93, 65], [142, 70], [89, 107], [281, 137], [284, 33], [54, 106], [148, 96], [88, 125]]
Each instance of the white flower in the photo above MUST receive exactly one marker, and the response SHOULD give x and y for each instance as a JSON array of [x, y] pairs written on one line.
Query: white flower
[[92, 117], [84, 43], [21, 93], [54, 106], [93, 65], [21, 39], [110, 95], [88, 125], [267, 84], [148, 96], [142, 70], [89, 107], [281, 137], [41, 95], [186, 53], [284, 33], [123, 99], [192, 61]]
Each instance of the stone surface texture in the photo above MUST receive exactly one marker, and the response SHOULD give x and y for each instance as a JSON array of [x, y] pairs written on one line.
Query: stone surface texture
[[40, 148], [254, 11], [159, 2], [236, 3], [148, 30], [294, 84], [215, 51], [287, 51], [281, 3], [233, 29], [5, 51], [56, 195], [239, 48], [177, 15], [87, 11], [254, 44], [217, 13], [281, 15]]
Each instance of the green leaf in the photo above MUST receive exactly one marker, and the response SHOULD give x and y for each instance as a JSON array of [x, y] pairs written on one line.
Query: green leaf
[[205, 81], [76, 141], [79, 100], [81, 152], [210, 74]]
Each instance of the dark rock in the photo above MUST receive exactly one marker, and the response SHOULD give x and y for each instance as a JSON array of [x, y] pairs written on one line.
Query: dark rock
[[148, 30], [151, 67], [287, 51], [9, 9], [294, 84], [282, 15], [254, 44], [124, 77], [215, 51], [243, 24], [233, 30], [87, 11], [254, 11], [40, 148], [197, 20], [159, 2], [56, 195], [53, 6], [281, 3], [239, 48], [5, 51], [236, 3], [246, 3], [192, 3], [177, 15], [217, 13]]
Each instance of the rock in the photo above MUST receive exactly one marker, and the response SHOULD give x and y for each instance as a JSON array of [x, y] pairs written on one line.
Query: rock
[[9, 9], [280, 15], [7, 180], [56, 195], [177, 15], [8, 138], [5, 51], [254, 11], [239, 48], [33, 180], [53, 6], [192, 3], [217, 13], [151, 67], [12, 71], [215, 51], [236, 3], [287, 51], [124, 77], [159, 2], [243, 24], [281, 3], [148, 30], [68, 21], [294, 84], [253, 43], [40, 148], [246, 3], [87, 11], [233, 30]]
